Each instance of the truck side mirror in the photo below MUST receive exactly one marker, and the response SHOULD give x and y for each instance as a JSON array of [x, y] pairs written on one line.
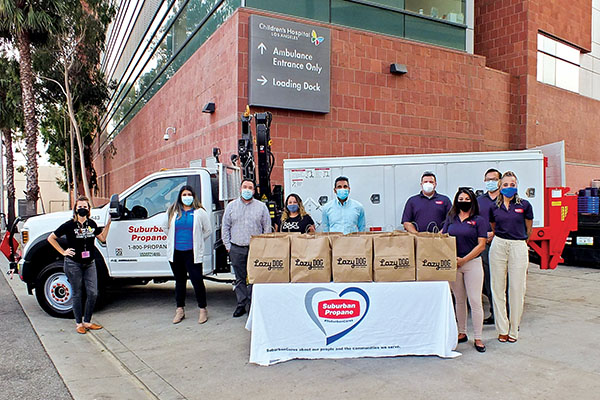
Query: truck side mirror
[[114, 207]]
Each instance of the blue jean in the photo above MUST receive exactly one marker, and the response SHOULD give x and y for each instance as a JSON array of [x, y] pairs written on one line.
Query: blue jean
[[80, 275]]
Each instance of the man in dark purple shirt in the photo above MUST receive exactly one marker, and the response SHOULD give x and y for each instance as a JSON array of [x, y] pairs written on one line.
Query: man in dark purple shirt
[[486, 202], [426, 211]]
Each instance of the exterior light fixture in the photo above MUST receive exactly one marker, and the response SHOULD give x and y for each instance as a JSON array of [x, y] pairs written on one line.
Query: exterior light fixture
[[398, 69], [209, 108]]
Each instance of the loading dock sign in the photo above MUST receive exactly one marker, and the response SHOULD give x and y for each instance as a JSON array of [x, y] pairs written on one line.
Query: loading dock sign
[[289, 65]]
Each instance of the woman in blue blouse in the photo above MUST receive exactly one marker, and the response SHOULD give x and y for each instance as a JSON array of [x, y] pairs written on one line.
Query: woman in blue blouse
[[188, 228]]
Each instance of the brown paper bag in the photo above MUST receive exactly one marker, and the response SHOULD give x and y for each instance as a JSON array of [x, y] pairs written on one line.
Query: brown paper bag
[[310, 258], [394, 257], [352, 258], [269, 258], [435, 257]]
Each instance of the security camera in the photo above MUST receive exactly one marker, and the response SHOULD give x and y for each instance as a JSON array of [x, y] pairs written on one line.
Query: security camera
[[170, 130]]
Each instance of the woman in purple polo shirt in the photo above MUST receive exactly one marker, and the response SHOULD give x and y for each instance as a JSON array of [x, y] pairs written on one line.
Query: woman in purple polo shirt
[[470, 230], [511, 220]]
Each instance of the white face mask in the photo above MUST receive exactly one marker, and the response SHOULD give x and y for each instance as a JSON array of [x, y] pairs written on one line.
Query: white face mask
[[427, 187], [187, 200]]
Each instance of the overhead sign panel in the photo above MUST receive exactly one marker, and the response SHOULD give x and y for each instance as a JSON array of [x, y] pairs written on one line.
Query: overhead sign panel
[[289, 65]]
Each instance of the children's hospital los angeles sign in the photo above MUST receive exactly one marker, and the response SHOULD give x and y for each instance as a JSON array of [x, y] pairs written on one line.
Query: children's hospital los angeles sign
[[289, 65]]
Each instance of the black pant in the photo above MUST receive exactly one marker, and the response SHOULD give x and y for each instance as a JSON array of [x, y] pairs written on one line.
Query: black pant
[[182, 265], [487, 286], [80, 275]]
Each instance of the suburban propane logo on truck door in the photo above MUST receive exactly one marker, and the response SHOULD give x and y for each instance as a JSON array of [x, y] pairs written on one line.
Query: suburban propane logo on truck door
[[149, 240], [133, 240]]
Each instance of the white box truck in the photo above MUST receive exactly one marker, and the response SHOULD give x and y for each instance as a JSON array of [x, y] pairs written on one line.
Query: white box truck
[[383, 184]]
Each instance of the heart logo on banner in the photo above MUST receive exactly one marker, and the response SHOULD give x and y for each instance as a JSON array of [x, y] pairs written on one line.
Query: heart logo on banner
[[339, 308]]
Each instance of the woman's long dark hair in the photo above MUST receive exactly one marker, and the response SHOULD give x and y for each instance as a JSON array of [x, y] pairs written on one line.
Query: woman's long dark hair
[[177, 206], [474, 205]]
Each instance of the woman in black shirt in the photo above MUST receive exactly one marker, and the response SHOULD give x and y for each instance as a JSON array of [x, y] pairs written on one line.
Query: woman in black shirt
[[294, 218], [80, 267]]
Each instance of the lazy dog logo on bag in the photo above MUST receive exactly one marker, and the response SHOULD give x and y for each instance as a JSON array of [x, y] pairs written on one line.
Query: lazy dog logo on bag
[[397, 263], [335, 314], [269, 263], [438, 265], [356, 262], [314, 264]]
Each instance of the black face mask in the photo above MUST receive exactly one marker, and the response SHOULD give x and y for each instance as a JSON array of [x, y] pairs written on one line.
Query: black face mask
[[82, 212], [463, 205]]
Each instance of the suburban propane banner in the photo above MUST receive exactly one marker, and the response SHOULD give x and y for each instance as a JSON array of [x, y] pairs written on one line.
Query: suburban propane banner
[[347, 320]]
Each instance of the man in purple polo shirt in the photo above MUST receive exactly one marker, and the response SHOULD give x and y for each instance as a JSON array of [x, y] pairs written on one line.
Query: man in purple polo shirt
[[486, 201], [426, 211]]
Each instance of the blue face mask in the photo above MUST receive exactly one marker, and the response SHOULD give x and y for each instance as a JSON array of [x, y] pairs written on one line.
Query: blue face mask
[[246, 194], [187, 200], [508, 191], [491, 186], [293, 208], [342, 194]]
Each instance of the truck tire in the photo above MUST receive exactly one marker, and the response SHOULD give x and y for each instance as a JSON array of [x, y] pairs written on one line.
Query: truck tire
[[53, 291]]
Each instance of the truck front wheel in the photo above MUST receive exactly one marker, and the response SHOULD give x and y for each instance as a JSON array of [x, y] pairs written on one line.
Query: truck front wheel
[[53, 291]]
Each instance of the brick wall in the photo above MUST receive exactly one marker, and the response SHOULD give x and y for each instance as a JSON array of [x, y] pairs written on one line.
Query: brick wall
[[569, 20]]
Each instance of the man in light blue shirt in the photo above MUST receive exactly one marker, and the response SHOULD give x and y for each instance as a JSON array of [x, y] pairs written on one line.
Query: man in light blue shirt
[[343, 214]]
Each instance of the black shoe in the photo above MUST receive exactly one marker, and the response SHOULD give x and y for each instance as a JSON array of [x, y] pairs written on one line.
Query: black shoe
[[463, 339], [239, 311], [489, 320], [480, 349]]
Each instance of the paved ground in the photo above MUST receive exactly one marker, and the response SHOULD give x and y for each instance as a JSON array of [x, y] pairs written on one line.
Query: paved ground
[[26, 371], [142, 355]]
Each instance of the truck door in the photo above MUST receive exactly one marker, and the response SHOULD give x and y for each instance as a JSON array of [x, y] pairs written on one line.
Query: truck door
[[137, 243]]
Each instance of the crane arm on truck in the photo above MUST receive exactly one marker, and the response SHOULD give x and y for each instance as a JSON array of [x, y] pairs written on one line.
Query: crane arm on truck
[[265, 160]]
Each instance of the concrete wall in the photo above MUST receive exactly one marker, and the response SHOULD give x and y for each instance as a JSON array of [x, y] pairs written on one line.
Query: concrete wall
[[54, 199]]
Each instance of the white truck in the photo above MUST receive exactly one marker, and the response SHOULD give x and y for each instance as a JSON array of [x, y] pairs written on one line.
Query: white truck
[[135, 249]]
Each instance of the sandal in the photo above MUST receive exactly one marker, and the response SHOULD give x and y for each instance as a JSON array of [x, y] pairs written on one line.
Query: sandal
[[511, 340], [502, 338], [481, 348]]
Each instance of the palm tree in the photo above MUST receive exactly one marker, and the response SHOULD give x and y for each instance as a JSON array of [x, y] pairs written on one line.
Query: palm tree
[[25, 23], [10, 119]]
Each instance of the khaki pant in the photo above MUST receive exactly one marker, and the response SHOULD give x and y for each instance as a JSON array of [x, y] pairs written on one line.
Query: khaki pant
[[468, 284], [508, 257]]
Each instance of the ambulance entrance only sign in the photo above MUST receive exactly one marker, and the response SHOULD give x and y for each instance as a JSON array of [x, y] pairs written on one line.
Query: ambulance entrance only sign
[[289, 65]]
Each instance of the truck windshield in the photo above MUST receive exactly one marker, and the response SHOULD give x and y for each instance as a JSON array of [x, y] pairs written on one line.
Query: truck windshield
[[153, 198]]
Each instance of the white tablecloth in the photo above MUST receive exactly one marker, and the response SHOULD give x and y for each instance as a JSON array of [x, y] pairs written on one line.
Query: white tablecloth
[[345, 320]]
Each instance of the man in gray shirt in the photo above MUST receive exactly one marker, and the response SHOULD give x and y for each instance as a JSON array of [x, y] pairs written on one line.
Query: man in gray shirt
[[243, 218]]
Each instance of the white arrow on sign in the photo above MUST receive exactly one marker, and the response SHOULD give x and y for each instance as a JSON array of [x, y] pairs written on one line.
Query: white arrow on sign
[[262, 48], [262, 80]]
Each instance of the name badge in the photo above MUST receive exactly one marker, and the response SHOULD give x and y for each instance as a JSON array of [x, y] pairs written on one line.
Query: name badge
[[85, 254], [519, 210], [439, 202]]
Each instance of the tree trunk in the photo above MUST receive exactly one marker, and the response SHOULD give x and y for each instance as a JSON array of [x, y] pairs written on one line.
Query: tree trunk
[[10, 177], [67, 174], [73, 174], [86, 186], [31, 133]]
